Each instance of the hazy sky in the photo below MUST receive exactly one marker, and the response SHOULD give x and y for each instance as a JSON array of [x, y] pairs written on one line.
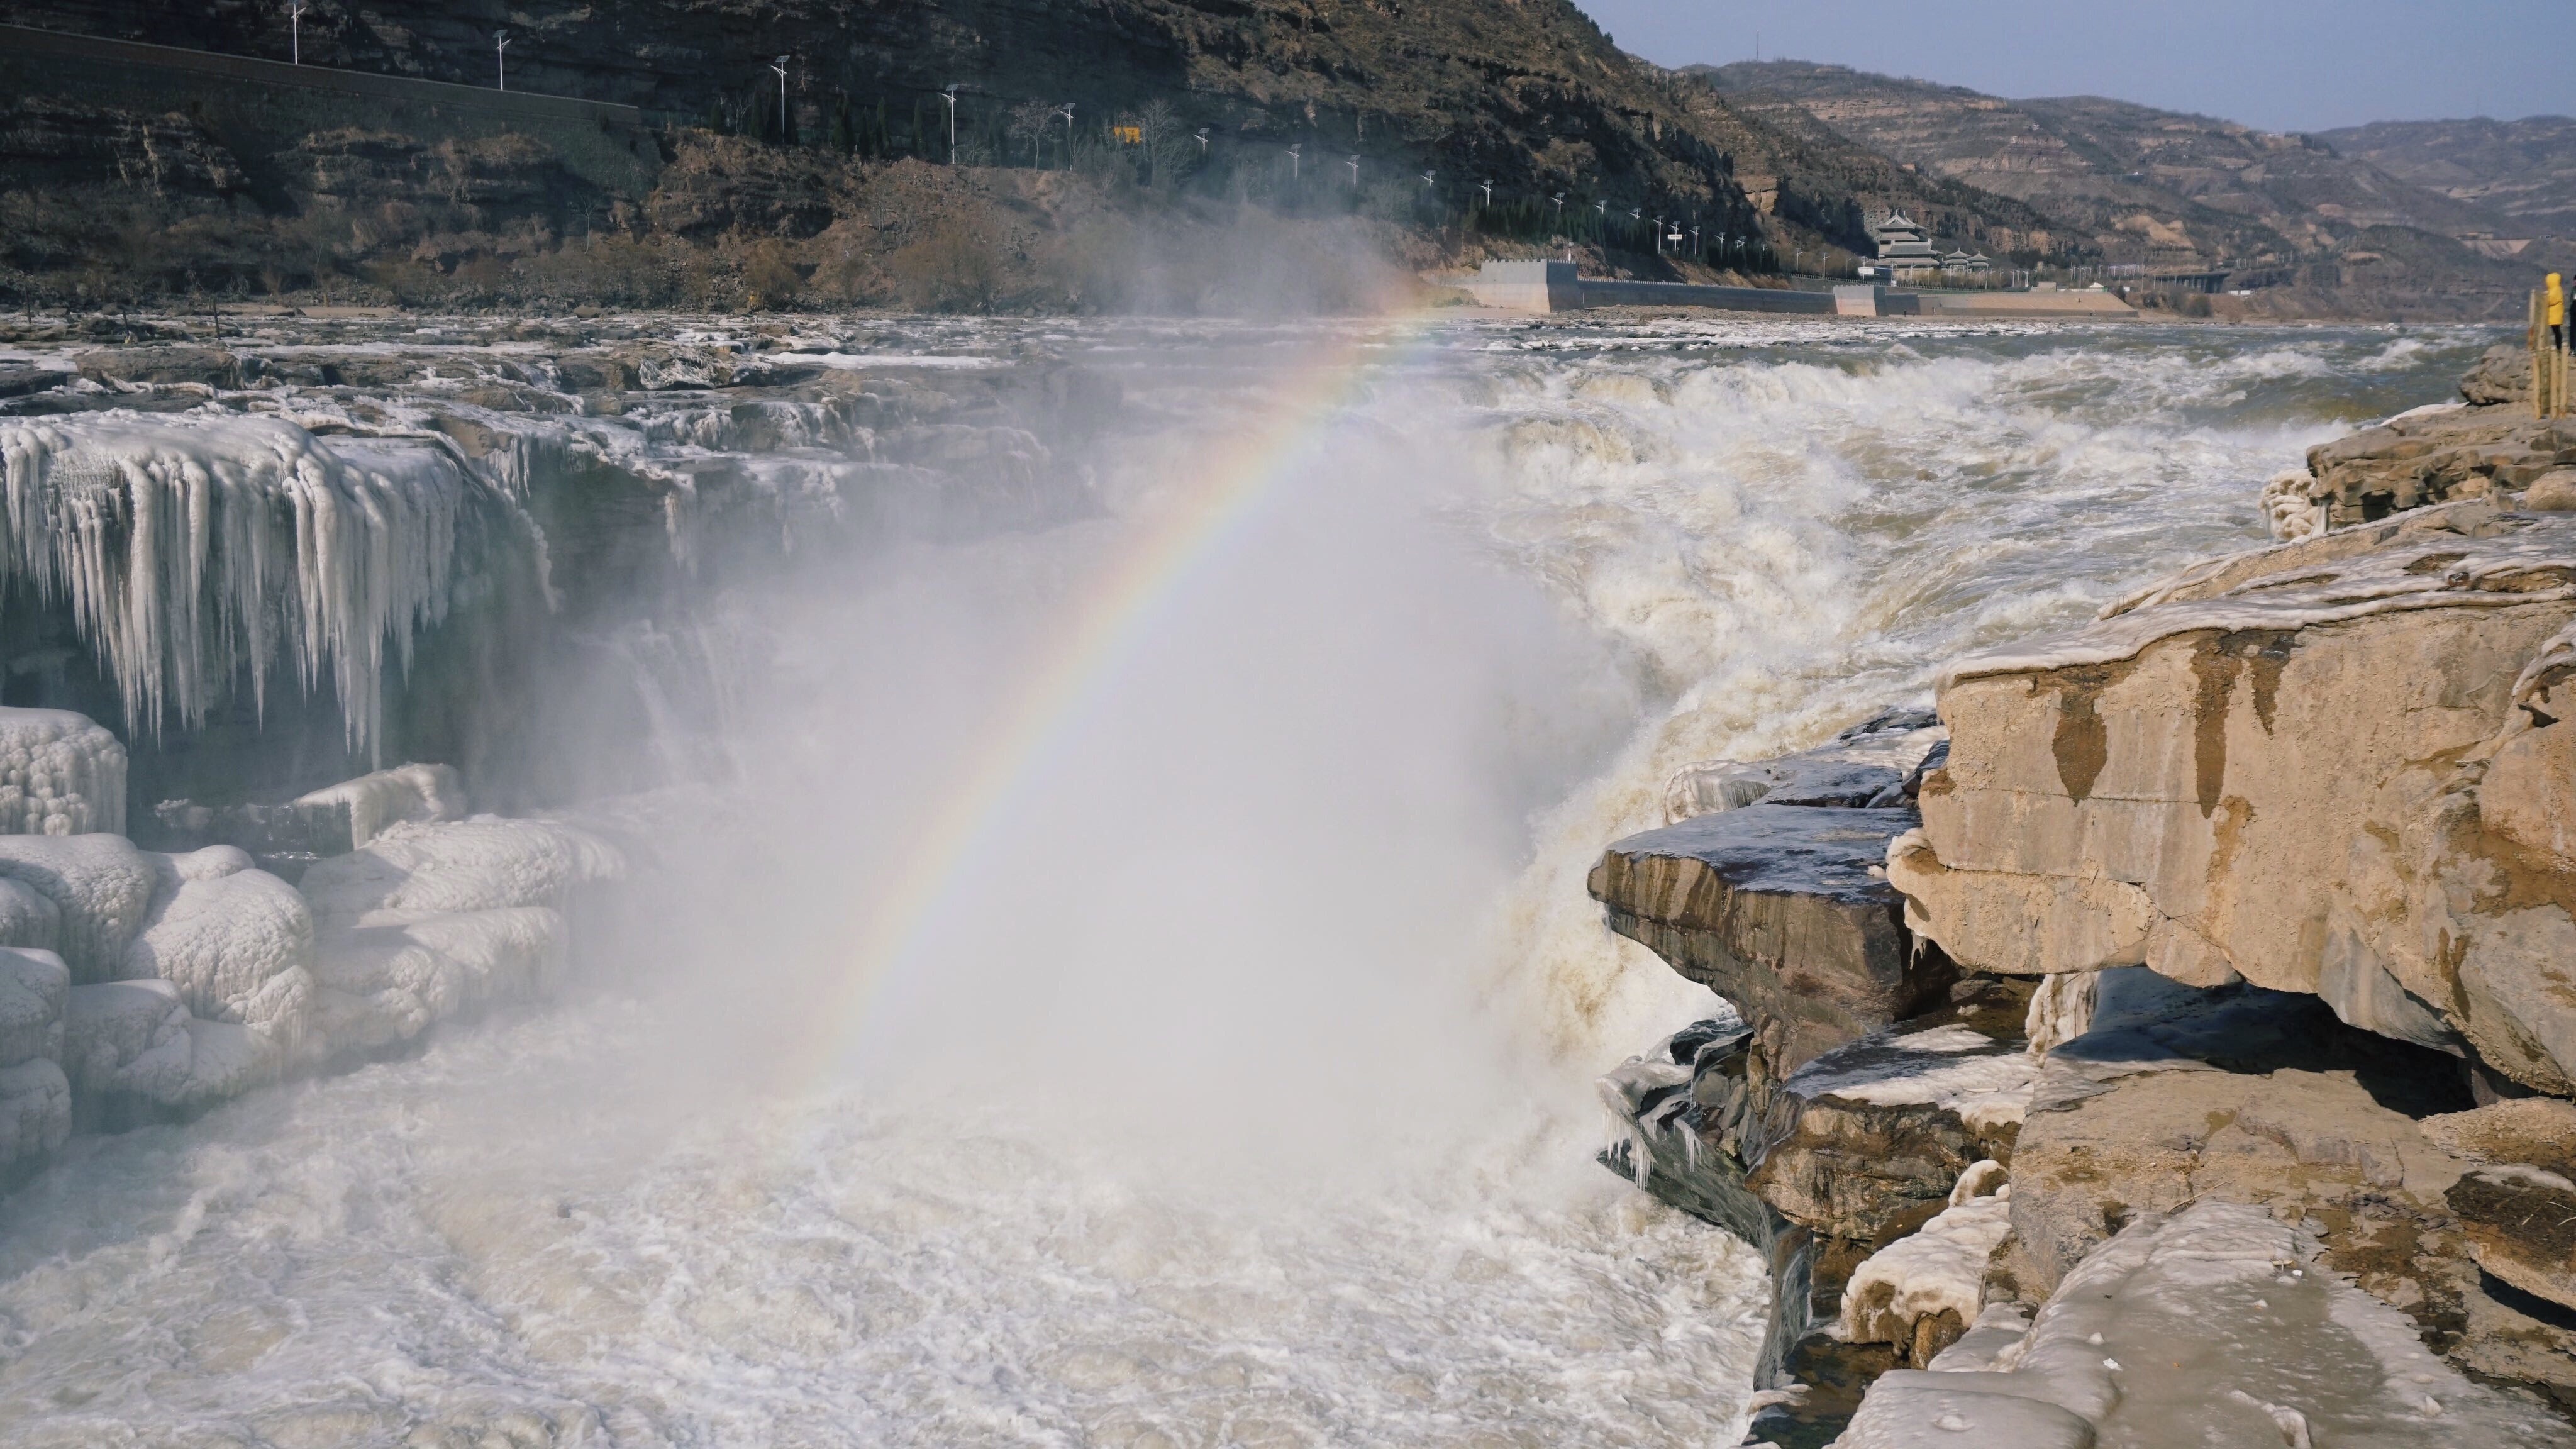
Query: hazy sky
[[2303, 65]]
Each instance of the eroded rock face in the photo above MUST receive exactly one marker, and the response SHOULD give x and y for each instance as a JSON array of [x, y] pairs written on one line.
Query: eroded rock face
[[1782, 910], [2270, 768], [2430, 455]]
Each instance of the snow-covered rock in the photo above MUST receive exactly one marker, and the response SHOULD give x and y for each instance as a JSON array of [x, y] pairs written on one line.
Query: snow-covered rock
[[133, 1053], [100, 887], [33, 988], [431, 920], [35, 1116], [28, 917], [60, 774], [2213, 1325], [235, 941], [1922, 1291], [421, 794]]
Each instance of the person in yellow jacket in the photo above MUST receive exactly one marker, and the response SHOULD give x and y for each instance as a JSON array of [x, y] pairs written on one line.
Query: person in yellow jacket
[[2553, 312]]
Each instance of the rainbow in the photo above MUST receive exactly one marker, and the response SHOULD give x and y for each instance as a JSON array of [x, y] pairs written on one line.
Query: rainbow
[[1154, 567]]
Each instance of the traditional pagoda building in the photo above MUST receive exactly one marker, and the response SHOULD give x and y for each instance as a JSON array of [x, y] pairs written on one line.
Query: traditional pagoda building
[[1904, 246]]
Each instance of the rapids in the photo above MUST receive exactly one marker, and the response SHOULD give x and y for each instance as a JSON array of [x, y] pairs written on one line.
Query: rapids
[[1194, 1050]]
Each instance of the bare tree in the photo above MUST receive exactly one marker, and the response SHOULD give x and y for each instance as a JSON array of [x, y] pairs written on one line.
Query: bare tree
[[1158, 125], [1029, 122]]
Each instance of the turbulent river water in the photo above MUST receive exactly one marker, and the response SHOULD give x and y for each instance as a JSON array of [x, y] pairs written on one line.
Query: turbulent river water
[[1134, 985]]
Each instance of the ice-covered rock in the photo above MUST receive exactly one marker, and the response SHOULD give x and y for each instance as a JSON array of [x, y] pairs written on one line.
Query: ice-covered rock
[[1872, 1136], [2212, 1325], [133, 1053], [1785, 911], [35, 1116], [33, 987], [35, 1100], [60, 774], [190, 547], [430, 920], [417, 793], [1923, 1291], [99, 886], [1866, 765], [233, 940]]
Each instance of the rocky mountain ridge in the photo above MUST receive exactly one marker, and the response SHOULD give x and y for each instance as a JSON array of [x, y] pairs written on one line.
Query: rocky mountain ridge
[[2161, 192]]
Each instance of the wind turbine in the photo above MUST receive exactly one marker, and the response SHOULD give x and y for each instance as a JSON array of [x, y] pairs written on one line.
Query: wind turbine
[[1426, 179], [1202, 135], [1354, 164], [1296, 162], [1659, 236], [1489, 194], [1560, 208], [501, 57], [295, 20], [950, 96], [780, 65]]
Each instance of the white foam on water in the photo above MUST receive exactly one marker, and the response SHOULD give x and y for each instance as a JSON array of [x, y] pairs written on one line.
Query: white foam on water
[[1234, 1090]]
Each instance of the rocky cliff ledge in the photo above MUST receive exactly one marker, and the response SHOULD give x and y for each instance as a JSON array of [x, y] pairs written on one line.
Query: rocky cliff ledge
[[2195, 1066]]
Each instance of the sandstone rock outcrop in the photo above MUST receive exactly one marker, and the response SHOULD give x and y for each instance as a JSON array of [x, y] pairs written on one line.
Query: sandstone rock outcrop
[[2488, 446], [2270, 768]]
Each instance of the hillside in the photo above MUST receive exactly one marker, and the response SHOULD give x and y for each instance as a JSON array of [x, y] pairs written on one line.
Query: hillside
[[2521, 172], [2163, 191], [1183, 112]]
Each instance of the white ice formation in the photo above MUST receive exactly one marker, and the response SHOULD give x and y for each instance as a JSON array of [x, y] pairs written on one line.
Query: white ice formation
[[2212, 1326], [35, 1100], [60, 774], [415, 793], [234, 942], [430, 920], [191, 546], [186, 979], [100, 888], [1939, 1268]]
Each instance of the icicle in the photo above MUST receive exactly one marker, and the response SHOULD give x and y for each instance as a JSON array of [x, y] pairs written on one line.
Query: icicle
[[189, 548]]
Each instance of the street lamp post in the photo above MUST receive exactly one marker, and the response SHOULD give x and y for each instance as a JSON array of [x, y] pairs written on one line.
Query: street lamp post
[[501, 58], [1659, 236]]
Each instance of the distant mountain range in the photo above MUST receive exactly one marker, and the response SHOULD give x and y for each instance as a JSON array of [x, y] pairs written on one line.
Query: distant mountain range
[[2426, 211]]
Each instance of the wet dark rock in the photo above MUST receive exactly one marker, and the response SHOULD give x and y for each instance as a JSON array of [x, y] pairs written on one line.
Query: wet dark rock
[[1785, 911]]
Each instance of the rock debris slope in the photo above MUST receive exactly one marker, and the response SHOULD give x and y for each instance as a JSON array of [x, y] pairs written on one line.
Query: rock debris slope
[[2206, 1077]]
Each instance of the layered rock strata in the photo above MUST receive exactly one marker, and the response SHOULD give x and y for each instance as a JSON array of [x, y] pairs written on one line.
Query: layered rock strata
[[2488, 445], [1772, 894]]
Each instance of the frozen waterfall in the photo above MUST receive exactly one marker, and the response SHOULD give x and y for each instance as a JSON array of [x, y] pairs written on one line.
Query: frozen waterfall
[[190, 548]]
